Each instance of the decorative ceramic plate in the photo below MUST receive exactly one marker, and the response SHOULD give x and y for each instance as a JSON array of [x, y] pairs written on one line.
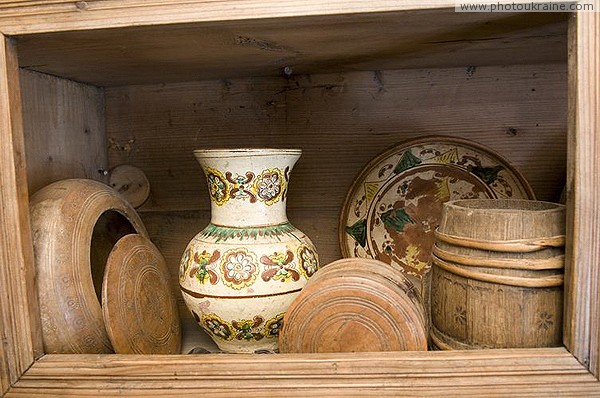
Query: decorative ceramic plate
[[393, 207]]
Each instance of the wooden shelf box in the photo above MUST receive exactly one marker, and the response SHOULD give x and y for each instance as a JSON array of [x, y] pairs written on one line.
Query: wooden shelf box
[[88, 85]]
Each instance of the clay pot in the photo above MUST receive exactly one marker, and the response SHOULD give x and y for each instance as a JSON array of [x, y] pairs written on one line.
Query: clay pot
[[240, 273], [75, 224]]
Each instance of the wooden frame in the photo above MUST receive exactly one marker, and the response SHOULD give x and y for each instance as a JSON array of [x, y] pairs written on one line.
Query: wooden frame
[[25, 371]]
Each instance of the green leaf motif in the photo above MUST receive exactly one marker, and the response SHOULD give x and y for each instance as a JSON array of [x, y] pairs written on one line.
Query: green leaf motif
[[358, 231], [396, 219], [225, 233], [487, 174], [407, 161]]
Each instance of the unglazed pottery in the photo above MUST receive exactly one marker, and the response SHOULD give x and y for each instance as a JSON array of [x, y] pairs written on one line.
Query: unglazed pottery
[[75, 223], [240, 274], [394, 205], [139, 308], [355, 305]]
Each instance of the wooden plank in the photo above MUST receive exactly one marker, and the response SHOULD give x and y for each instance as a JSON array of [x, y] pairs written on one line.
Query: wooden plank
[[583, 190], [165, 53], [575, 389], [238, 113], [19, 323], [63, 123], [341, 121], [490, 372], [38, 17]]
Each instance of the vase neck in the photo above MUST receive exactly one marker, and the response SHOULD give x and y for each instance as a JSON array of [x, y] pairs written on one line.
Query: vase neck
[[248, 187], [248, 216]]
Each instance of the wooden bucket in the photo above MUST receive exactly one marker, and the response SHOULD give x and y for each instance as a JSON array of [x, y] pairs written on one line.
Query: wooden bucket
[[355, 305], [497, 276]]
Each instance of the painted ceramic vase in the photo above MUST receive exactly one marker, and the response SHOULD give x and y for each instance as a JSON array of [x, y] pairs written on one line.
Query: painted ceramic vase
[[240, 273]]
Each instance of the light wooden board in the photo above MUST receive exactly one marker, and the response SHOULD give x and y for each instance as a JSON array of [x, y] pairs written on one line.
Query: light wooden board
[[583, 190], [63, 124], [23, 17], [19, 323], [341, 121], [476, 373], [310, 45]]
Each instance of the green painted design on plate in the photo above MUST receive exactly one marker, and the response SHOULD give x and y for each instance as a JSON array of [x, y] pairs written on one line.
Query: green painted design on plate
[[407, 161], [396, 219], [358, 231], [487, 174]]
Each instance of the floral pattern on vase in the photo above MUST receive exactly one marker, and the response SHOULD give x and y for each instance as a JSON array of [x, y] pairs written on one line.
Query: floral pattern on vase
[[309, 262], [273, 325], [248, 329], [218, 327], [269, 186], [245, 329], [218, 188], [242, 271], [240, 184], [202, 262], [239, 268], [279, 267]]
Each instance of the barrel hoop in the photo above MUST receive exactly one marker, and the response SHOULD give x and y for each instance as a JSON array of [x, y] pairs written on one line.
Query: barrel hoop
[[512, 246], [556, 262], [438, 341], [446, 342], [547, 281]]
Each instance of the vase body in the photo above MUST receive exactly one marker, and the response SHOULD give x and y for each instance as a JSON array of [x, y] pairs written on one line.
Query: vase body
[[240, 273]]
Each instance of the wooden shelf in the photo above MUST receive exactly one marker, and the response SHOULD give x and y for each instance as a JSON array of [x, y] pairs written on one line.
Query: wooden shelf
[[132, 81], [309, 45]]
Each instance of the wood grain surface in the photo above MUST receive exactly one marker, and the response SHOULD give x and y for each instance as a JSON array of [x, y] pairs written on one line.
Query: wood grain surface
[[64, 215], [22, 17], [307, 45], [484, 306], [341, 121], [583, 190], [551, 371], [131, 183], [63, 124], [21, 331], [138, 305], [355, 305]]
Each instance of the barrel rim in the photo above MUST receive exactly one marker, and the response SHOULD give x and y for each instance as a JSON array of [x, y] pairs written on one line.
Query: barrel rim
[[461, 204]]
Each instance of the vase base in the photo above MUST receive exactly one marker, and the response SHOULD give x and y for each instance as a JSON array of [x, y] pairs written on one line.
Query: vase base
[[245, 348]]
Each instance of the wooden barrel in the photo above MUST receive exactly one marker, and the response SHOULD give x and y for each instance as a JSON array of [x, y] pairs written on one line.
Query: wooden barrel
[[355, 305], [497, 276]]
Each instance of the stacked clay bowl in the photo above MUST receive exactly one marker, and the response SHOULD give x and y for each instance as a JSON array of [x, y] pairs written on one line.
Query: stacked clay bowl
[[497, 276], [355, 305]]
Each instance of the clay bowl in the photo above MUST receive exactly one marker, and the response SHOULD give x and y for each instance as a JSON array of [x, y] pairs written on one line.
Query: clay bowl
[[75, 224]]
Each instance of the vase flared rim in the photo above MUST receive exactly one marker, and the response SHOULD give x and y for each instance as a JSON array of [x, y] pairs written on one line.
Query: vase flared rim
[[245, 152]]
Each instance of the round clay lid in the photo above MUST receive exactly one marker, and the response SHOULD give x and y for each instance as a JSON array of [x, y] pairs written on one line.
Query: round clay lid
[[140, 311], [355, 305]]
